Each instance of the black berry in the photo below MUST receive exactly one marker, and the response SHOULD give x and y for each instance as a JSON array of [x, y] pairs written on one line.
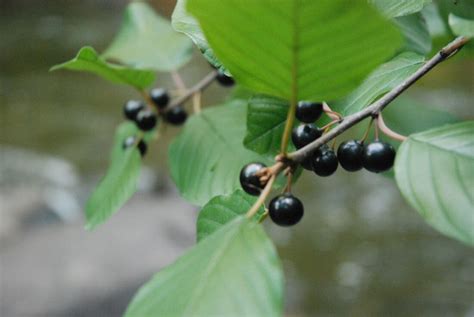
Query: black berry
[[146, 120], [350, 155], [224, 80], [249, 180], [307, 164], [176, 115], [308, 111], [131, 140], [304, 134], [160, 97], [325, 162], [132, 108], [378, 156], [286, 210]]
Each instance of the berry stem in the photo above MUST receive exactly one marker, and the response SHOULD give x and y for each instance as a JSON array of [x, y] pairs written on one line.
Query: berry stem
[[376, 128], [376, 107], [326, 127], [389, 132], [289, 178], [367, 131], [200, 86], [261, 199], [336, 116], [290, 119], [197, 102], [178, 81], [148, 101]]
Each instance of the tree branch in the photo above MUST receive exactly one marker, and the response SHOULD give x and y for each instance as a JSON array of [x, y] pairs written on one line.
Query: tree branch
[[206, 81], [349, 121]]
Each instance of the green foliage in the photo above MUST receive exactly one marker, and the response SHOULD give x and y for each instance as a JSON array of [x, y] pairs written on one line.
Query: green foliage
[[415, 32], [87, 60], [396, 8], [460, 8], [223, 209], [147, 41], [434, 21], [233, 272], [120, 181], [283, 50], [380, 81], [434, 171], [461, 26], [266, 118], [206, 158], [407, 116], [183, 22], [286, 52]]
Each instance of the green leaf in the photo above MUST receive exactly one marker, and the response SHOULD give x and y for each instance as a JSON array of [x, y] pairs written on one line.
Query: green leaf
[[434, 21], [297, 50], [434, 171], [233, 272], [415, 31], [223, 209], [461, 26], [120, 181], [382, 80], [407, 116], [206, 158], [185, 23], [396, 8], [266, 118], [460, 8], [87, 60], [147, 41]]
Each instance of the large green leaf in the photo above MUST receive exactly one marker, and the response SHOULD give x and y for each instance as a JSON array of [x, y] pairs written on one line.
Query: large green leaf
[[382, 80], [434, 171], [266, 118], [415, 31], [120, 181], [146, 40], [461, 26], [87, 60], [206, 158], [233, 272], [183, 22], [223, 209], [297, 50], [396, 8]]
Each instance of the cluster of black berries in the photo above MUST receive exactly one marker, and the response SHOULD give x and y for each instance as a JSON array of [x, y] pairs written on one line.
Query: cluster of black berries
[[284, 209], [376, 156], [353, 155], [146, 118]]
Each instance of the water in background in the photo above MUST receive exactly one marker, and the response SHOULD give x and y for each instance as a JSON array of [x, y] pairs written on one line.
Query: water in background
[[360, 251]]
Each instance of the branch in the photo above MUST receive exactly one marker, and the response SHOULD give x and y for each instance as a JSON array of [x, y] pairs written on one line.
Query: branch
[[376, 107], [178, 81], [206, 81], [261, 199]]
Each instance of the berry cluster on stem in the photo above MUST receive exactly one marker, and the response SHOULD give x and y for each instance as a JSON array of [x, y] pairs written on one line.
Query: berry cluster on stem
[[313, 153]]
